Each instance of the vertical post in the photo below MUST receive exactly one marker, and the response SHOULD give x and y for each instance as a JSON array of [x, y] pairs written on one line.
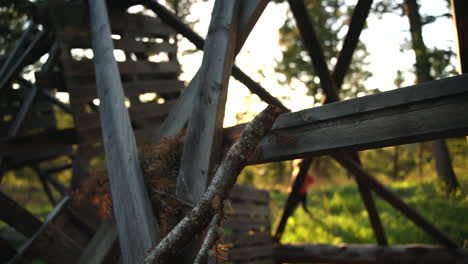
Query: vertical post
[[136, 224], [203, 140]]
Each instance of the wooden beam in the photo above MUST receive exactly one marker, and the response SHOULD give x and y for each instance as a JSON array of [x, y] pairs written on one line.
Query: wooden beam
[[14, 69], [358, 20], [406, 115], [369, 203], [8, 251], [312, 44], [250, 11], [203, 138], [393, 200], [17, 217], [367, 254], [49, 242], [179, 114], [101, 243], [15, 55], [460, 16], [293, 198], [136, 224]]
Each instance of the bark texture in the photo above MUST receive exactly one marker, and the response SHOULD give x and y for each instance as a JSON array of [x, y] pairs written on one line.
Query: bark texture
[[212, 200]]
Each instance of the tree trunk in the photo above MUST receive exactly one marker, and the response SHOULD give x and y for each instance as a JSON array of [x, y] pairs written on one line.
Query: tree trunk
[[444, 164], [423, 68], [396, 163]]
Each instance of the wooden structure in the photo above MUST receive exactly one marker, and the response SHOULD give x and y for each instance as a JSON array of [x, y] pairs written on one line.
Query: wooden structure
[[405, 115]]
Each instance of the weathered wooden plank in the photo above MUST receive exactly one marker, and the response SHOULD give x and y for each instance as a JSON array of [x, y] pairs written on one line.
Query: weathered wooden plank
[[73, 17], [139, 112], [179, 116], [460, 15], [248, 209], [83, 41], [100, 244], [8, 251], [368, 254], [371, 208], [86, 67], [406, 115], [203, 139], [358, 20], [49, 242], [37, 155], [250, 12], [256, 222], [250, 194], [136, 225], [246, 239], [88, 91], [251, 252], [17, 217]]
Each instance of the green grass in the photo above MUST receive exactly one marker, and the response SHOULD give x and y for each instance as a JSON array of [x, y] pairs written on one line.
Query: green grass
[[340, 216]]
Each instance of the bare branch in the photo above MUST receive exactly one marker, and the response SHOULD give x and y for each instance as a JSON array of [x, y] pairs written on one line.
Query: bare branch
[[218, 190], [209, 241]]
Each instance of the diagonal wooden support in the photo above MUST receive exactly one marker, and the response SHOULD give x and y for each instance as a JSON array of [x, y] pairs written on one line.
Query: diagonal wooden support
[[250, 11], [49, 242], [358, 20], [136, 224], [17, 217], [293, 198], [6, 69], [393, 200], [330, 87]]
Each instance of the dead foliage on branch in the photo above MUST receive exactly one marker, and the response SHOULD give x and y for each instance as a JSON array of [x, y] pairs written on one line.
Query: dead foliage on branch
[[160, 164], [211, 203]]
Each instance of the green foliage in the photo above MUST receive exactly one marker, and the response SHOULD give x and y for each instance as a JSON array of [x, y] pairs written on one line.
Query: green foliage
[[340, 216], [330, 20]]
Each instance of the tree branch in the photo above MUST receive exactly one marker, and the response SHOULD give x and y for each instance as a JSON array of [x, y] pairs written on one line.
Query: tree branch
[[209, 241], [212, 200]]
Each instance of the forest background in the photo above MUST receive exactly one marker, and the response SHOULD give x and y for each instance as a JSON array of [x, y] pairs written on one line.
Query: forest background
[[274, 56]]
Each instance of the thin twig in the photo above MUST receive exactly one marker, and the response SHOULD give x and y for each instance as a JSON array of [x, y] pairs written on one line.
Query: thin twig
[[218, 190], [209, 241]]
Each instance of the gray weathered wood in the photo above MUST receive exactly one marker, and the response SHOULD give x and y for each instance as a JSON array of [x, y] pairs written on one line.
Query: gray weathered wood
[[407, 115], [136, 224], [368, 254], [358, 21], [7, 66], [58, 250], [218, 190], [203, 138], [250, 11], [97, 249], [83, 68]]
